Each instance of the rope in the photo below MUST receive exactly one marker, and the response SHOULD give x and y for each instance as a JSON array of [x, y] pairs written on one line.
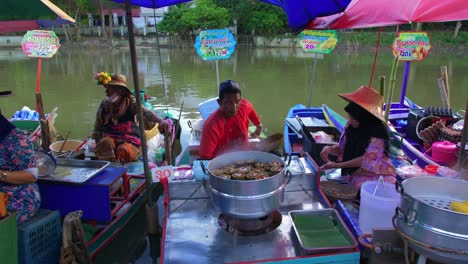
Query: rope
[[159, 55], [375, 57]]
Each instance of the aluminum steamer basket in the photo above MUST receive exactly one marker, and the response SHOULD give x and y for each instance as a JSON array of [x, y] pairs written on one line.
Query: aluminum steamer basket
[[427, 222]]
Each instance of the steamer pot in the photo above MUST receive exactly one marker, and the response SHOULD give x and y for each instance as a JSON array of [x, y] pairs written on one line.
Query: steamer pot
[[426, 220], [246, 199]]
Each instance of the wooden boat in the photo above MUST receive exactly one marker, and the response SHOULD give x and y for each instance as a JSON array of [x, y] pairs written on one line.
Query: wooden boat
[[413, 150]]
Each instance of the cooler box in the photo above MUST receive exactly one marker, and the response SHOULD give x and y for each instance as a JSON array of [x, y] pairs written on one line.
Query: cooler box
[[314, 148]]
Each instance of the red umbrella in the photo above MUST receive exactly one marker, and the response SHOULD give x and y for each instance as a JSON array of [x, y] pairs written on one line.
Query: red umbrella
[[378, 13]]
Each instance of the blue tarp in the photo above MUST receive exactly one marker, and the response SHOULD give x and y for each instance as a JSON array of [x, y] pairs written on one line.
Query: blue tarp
[[299, 12]]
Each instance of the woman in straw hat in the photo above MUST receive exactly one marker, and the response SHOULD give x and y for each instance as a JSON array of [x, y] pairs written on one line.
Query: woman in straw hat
[[115, 129], [362, 152], [18, 171]]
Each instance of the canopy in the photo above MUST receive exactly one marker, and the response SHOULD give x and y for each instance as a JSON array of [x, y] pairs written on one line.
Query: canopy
[[299, 12], [378, 13], [25, 15]]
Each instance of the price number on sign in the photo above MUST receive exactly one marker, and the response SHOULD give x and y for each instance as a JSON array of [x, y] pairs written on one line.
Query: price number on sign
[[162, 173], [406, 54]]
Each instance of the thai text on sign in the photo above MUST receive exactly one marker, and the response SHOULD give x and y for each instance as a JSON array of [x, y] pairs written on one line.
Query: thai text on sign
[[215, 44], [411, 46], [318, 41], [40, 44]]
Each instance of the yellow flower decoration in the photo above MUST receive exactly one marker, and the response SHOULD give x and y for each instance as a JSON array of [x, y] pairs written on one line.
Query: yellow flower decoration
[[102, 78]]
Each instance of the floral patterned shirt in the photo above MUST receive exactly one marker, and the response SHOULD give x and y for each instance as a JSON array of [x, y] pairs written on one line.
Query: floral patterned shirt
[[374, 163], [16, 154]]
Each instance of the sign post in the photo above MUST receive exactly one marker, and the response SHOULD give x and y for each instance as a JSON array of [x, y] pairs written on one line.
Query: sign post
[[317, 41], [215, 44], [408, 46], [40, 44]]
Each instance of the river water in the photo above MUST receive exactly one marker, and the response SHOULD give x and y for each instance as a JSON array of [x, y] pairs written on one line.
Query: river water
[[272, 79]]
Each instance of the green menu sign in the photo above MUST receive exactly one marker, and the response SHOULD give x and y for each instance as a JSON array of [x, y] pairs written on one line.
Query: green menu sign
[[318, 41], [411, 46]]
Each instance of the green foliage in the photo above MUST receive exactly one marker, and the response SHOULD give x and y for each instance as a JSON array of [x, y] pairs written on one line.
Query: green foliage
[[184, 19]]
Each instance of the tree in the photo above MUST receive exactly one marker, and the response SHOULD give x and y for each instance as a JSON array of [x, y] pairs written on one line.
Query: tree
[[184, 19], [75, 8]]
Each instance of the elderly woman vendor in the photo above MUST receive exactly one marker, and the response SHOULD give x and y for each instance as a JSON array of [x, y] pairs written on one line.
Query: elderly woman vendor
[[18, 172], [115, 129], [362, 152]]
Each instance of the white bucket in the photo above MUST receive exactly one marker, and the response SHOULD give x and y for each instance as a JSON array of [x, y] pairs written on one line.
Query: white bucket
[[376, 211]]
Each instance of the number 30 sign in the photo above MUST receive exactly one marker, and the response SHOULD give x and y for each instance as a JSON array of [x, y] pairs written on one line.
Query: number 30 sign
[[162, 172]]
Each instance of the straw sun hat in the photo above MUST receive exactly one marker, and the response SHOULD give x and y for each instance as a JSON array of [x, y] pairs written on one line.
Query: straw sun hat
[[118, 80], [367, 98]]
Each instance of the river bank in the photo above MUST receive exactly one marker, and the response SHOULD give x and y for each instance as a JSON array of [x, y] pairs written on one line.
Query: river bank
[[442, 41]]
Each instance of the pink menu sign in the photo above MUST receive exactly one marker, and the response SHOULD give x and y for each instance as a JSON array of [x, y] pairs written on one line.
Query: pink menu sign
[[40, 44]]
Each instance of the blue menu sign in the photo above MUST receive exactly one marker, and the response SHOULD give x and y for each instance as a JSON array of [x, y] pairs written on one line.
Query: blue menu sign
[[215, 44]]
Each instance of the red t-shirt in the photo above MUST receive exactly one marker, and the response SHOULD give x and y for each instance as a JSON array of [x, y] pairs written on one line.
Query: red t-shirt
[[220, 135]]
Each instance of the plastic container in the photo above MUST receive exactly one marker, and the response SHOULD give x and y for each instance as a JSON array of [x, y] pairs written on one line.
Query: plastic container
[[376, 211], [444, 152], [40, 238], [432, 169]]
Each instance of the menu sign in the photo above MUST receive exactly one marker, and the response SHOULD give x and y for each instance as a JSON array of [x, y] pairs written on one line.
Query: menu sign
[[40, 44], [318, 41], [215, 44], [411, 46]]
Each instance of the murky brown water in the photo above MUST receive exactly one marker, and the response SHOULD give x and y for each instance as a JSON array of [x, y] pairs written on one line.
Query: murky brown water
[[273, 79]]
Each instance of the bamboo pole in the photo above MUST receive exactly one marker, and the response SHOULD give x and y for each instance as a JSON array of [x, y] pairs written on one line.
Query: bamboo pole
[[391, 86], [444, 75], [443, 92], [382, 85]]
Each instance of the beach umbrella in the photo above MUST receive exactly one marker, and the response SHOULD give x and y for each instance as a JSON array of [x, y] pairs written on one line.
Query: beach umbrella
[[17, 16], [380, 13]]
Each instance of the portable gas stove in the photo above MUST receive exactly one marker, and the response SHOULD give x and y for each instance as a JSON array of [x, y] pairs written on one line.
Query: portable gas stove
[[195, 232]]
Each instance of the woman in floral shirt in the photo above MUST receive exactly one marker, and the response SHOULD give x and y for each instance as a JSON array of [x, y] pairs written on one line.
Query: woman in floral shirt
[[363, 147], [18, 173]]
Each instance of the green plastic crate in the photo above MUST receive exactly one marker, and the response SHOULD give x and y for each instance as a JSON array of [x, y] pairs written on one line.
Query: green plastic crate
[[8, 240]]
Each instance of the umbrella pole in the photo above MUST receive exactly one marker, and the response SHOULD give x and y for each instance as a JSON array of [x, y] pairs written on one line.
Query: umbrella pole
[[151, 210], [392, 87], [404, 85], [312, 81], [217, 76]]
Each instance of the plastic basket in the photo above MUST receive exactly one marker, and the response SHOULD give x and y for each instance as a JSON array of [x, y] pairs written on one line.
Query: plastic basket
[[40, 238]]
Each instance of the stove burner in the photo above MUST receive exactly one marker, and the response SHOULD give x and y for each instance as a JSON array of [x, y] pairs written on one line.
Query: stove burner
[[250, 227]]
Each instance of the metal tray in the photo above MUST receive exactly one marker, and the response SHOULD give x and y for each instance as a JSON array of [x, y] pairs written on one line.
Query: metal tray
[[76, 171], [326, 222]]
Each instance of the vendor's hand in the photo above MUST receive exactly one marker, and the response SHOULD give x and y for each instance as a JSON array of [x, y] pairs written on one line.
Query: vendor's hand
[[257, 132], [329, 165], [325, 153], [163, 127]]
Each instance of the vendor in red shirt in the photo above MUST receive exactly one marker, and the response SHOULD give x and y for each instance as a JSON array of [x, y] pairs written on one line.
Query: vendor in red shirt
[[227, 129]]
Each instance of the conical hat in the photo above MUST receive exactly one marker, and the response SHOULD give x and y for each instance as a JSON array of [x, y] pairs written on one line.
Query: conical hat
[[367, 98]]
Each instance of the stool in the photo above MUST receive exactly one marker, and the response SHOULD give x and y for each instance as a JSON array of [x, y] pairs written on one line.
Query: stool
[[39, 238]]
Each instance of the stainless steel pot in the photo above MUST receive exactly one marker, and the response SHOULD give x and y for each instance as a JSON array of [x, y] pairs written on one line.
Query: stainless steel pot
[[425, 218], [246, 199], [196, 127]]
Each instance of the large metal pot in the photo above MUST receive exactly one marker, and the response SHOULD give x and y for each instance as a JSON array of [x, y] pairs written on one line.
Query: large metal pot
[[426, 220], [246, 199]]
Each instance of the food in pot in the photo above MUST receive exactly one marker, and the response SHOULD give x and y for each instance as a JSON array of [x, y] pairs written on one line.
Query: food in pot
[[244, 169], [260, 164], [237, 176], [224, 176], [229, 170], [249, 170]]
